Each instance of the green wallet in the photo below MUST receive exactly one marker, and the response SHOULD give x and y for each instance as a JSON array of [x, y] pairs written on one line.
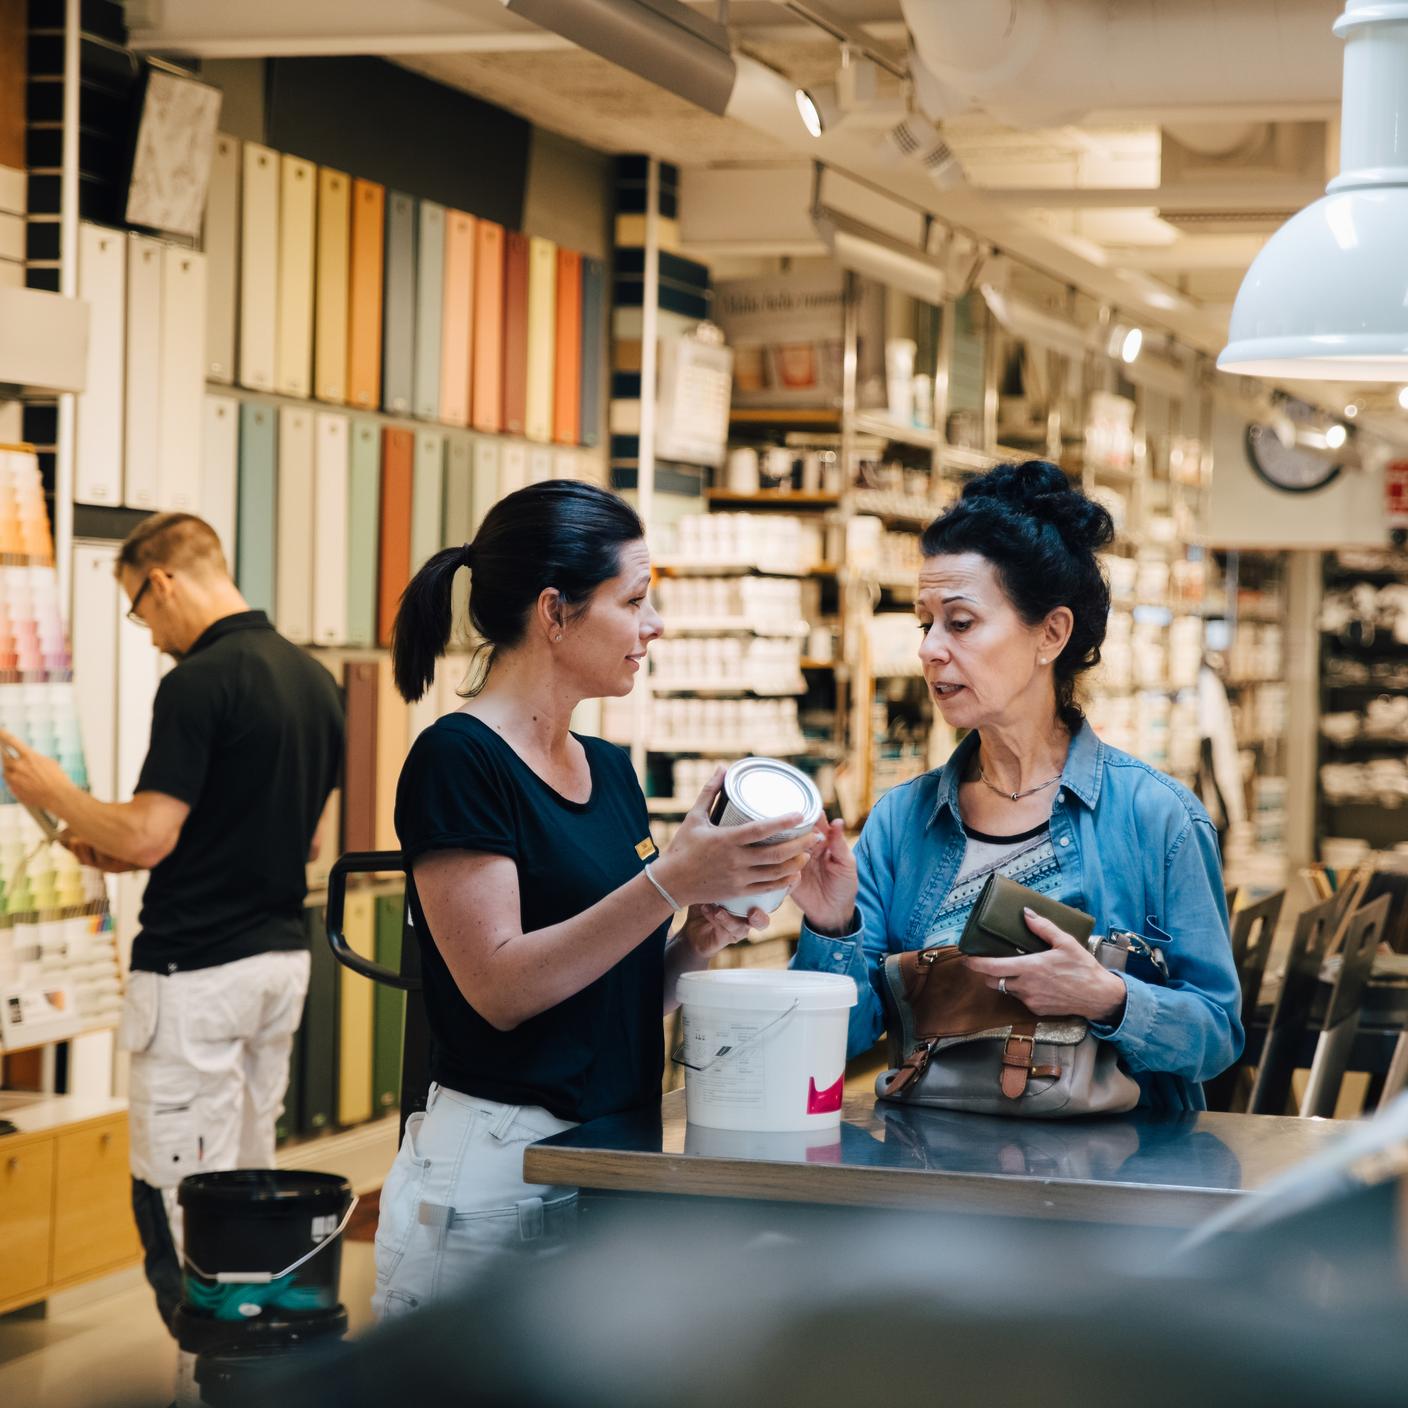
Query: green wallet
[[996, 928]]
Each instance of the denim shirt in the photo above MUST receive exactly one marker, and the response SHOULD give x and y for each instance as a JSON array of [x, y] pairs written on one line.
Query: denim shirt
[[1135, 849]]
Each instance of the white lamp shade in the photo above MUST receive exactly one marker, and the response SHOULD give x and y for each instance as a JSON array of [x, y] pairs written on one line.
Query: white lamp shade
[[1327, 297]]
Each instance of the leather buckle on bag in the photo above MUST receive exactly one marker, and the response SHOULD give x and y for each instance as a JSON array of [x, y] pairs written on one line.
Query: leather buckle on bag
[[1016, 1069], [913, 1066]]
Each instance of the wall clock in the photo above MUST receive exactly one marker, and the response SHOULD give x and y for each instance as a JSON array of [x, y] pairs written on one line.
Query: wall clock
[[1294, 469]]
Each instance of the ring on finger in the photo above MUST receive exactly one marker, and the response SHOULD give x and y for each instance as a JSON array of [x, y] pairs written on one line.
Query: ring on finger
[[1002, 986]]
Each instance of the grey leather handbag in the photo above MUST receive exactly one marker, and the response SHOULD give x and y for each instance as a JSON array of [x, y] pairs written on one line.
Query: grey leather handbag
[[956, 1044]]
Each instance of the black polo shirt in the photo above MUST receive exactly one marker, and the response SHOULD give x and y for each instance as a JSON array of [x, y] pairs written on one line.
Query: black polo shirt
[[247, 731], [601, 1051]]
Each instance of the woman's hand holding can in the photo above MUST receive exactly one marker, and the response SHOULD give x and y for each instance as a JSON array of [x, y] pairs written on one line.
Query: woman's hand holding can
[[705, 864]]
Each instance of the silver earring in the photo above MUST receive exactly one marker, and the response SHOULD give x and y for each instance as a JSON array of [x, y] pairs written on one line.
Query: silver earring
[[558, 636]]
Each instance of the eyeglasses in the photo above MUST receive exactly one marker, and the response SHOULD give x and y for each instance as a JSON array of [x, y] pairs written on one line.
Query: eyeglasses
[[136, 602]]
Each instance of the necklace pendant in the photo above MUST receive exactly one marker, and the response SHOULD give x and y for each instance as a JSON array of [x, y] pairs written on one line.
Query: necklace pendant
[[1014, 797]]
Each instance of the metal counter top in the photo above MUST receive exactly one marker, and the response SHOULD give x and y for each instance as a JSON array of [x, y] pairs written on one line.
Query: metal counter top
[[1140, 1168]]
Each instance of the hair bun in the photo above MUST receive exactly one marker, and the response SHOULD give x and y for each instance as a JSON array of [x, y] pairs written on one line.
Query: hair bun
[[1041, 490]]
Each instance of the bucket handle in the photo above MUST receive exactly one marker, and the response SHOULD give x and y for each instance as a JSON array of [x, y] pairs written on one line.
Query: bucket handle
[[726, 1052], [264, 1278]]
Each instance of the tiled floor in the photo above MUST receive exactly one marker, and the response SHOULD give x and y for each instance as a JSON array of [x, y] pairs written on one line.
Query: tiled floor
[[107, 1350]]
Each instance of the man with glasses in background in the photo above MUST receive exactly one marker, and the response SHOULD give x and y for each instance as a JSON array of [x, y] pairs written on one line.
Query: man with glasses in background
[[246, 745]]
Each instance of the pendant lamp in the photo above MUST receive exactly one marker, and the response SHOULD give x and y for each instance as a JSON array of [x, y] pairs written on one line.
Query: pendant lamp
[[1327, 297]]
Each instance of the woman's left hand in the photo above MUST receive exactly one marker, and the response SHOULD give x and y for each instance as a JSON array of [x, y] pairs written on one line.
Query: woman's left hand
[[1064, 981], [708, 928]]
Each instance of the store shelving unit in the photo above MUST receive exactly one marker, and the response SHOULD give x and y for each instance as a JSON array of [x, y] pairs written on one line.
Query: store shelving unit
[[1246, 611], [1363, 718]]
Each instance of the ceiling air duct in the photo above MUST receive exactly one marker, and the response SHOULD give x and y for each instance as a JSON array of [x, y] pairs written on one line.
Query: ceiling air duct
[[1327, 297], [663, 41]]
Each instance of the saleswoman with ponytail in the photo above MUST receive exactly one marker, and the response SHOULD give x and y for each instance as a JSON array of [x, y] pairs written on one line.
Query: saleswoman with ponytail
[[540, 902]]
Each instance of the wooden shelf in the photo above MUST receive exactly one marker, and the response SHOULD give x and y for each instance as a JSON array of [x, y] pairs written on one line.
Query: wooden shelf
[[774, 498], [827, 416]]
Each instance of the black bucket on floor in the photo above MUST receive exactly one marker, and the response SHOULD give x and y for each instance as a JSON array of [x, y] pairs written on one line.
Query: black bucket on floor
[[239, 1377], [262, 1243], [200, 1334]]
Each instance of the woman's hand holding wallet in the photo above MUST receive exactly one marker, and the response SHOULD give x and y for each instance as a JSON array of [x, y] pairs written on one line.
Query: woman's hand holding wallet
[[1064, 980]]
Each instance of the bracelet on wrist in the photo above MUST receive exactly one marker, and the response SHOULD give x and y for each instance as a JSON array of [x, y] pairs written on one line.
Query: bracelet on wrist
[[664, 893]]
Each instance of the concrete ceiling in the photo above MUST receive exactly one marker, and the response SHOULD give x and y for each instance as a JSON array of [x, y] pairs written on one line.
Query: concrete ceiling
[[1158, 214]]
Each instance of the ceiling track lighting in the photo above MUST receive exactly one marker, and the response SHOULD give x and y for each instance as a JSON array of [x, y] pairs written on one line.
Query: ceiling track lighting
[[1325, 298], [875, 255], [662, 41]]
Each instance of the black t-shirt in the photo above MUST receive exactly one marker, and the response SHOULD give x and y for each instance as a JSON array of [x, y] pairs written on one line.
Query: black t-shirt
[[247, 731], [602, 1050]]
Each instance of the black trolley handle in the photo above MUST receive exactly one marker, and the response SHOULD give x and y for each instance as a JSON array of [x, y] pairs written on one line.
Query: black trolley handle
[[360, 863]]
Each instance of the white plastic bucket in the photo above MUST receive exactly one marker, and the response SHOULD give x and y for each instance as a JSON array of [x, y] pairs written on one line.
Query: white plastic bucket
[[764, 1050]]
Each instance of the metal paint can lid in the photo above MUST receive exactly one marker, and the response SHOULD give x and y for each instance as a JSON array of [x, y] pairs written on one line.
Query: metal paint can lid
[[760, 788]]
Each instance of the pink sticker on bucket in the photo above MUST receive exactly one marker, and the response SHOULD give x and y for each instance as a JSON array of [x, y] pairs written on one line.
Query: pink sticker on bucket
[[824, 1102]]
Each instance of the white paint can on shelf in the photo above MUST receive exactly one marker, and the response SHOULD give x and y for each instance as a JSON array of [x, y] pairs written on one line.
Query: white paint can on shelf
[[764, 1050], [756, 789]]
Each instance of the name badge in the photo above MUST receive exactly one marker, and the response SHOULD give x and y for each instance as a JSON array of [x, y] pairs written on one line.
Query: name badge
[[645, 849]]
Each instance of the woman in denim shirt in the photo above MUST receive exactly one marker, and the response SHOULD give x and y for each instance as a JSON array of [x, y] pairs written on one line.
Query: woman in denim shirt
[[1012, 608]]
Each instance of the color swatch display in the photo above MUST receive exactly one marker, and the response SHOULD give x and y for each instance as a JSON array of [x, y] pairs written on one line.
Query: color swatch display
[[331, 516], [346, 1065], [59, 973], [314, 283], [402, 305]]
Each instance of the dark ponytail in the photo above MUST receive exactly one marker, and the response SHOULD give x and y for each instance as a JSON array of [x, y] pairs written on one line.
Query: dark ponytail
[[1041, 536], [562, 534]]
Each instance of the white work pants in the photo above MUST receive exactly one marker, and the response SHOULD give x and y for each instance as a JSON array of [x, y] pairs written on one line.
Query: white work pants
[[455, 1198]]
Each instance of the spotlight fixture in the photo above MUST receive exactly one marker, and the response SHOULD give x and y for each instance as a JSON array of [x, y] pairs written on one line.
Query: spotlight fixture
[[1336, 435], [918, 140], [1125, 341], [1350, 411], [819, 108], [808, 111], [1403, 398]]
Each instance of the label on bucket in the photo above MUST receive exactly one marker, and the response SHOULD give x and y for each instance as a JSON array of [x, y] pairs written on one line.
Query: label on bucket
[[737, 1080], [324, 1226]]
